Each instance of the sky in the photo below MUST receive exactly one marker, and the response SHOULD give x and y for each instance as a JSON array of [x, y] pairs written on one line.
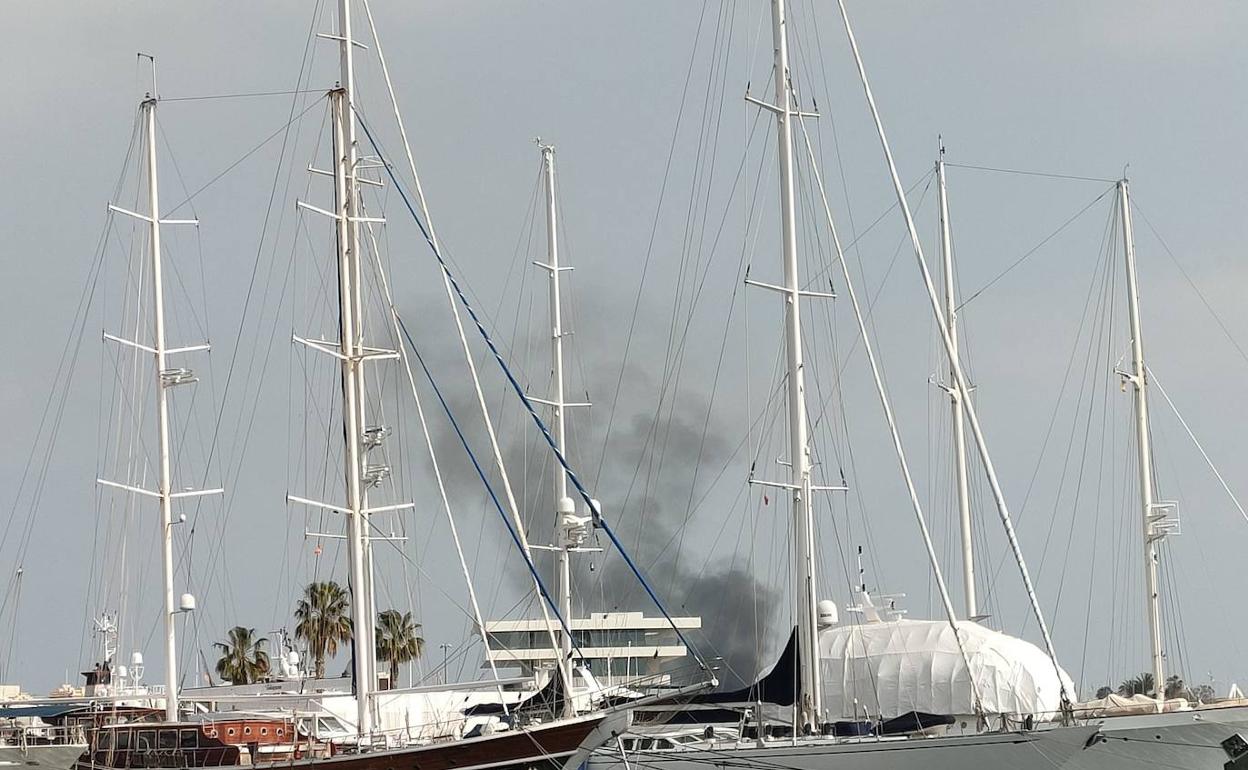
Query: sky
[[643, 101]]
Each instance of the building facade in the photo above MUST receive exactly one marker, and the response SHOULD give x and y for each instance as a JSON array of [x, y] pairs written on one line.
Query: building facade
[[616, 647]]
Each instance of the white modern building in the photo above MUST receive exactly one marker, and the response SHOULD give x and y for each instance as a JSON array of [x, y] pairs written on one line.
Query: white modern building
[[616, 647]]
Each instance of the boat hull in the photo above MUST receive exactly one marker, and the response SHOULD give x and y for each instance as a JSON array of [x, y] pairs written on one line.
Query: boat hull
[[1190, 740], [1182, 739], [538, 746], [54, 757], [1042, 750]]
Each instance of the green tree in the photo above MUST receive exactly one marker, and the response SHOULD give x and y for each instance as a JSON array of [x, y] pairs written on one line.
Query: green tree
[[1104, 692], [243, 659], [1175, 688], [323, 621], [1203, 693], [1138, 685], [398, 640]]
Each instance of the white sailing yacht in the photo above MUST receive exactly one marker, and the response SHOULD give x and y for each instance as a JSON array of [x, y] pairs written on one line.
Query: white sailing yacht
[[960, 656], [1185, 736], [551, 738]]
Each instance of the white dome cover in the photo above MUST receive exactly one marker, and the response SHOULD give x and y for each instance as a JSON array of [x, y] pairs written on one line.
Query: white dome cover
[[897, 666]]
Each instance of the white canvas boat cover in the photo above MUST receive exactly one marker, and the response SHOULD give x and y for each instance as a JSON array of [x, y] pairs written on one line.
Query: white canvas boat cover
[[898, 666], [1121, 705]]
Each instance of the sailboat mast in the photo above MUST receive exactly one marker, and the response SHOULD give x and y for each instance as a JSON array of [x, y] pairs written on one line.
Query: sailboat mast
[[162, 417], [564, 505], [1139, 382], [956, 397], [350, 312], [959, 375], [799, 451]]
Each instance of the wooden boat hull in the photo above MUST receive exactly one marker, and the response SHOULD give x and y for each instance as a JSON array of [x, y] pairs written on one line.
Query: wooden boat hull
[[538, 746]]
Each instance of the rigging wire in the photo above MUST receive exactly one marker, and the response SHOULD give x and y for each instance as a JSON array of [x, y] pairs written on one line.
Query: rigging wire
[[972, 416], [476, 616], [1035, 248], [451, 287], [232, 470], [1186, 277], [1153, 380], [1043, 174], [247, 95], [691, 258], [282, 131], [654, 229], [572, 477], [463, 440]]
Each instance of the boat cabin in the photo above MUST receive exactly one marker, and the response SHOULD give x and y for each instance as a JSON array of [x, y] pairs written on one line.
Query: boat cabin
[[210, 742]]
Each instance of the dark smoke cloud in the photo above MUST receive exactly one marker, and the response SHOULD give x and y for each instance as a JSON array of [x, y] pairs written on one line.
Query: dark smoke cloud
[[646, 480], [737, 610]]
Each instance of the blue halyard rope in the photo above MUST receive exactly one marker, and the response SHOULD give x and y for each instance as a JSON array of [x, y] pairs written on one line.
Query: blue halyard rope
[[463, 440], [599, 521]]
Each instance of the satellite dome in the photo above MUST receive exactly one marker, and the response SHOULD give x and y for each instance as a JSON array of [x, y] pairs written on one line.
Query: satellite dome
[[826, 614]]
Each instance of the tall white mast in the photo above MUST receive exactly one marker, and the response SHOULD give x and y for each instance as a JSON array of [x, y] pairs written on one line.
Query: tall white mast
[[799, 449], [162, 419], [166, 377], [956, 397], [359, 438], [1153, 534], [959, 375], [564, 505], [350, 296]]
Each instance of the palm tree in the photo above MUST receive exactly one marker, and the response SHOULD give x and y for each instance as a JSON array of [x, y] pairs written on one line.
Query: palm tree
[[243, 659], [398, 640], [1175, 686], [1137, 685], [1143, 685], [323, 621]]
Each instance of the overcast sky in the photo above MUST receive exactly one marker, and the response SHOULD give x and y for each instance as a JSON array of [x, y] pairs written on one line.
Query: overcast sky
[[1067, 88]]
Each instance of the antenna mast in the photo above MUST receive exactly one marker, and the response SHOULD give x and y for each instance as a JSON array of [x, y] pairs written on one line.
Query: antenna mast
[[567, 526], [1155, 524], [956, 398], [570, 529]]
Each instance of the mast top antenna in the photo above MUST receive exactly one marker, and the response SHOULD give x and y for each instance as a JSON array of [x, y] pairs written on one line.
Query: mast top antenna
[[151, 58]]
